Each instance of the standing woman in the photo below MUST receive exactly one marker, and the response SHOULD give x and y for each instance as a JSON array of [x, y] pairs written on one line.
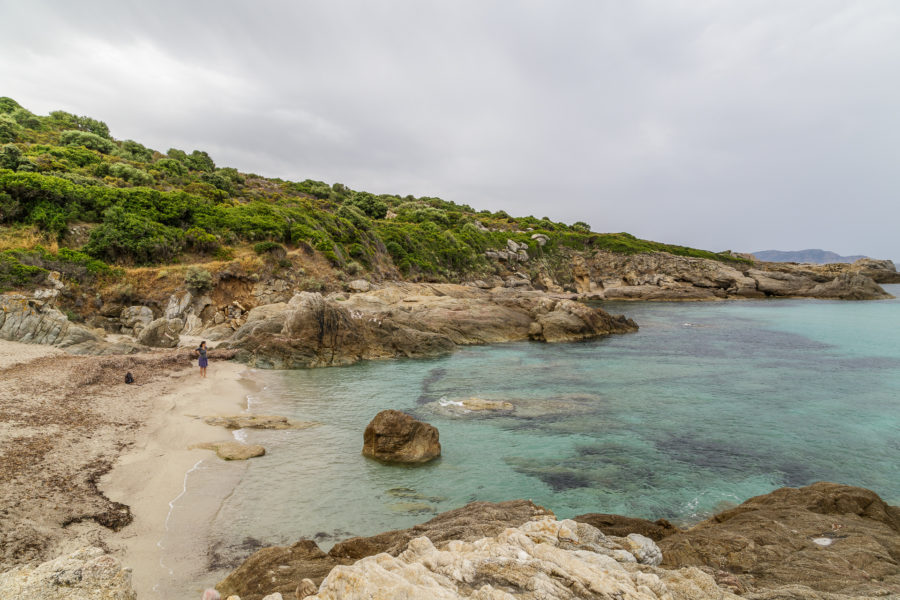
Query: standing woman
[[201, 352]]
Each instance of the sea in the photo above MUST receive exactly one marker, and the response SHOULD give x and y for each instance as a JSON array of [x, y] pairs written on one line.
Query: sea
[[707, 405]]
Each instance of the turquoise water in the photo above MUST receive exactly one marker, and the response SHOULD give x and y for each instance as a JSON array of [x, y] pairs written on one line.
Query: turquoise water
[[707, 405]]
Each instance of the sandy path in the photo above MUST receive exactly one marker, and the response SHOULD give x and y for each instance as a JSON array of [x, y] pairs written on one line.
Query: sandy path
[[66, 420]]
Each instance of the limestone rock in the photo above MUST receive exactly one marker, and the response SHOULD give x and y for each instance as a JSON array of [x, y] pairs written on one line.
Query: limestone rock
[[161, 333], [306, 588], [22, 319], [280, 568], [257, 422], [770, 541], [540, 238], [545, 559], [232, 450], [394, 436], [849, 286], [87, 574]]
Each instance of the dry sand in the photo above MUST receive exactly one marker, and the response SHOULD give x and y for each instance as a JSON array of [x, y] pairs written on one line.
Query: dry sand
[[87, 460]]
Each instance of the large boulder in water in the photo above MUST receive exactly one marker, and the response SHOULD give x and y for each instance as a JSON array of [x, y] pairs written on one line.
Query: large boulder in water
[[826, 538], [394, 436]]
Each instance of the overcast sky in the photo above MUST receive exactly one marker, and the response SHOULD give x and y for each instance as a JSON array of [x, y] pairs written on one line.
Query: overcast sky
[[744, 125]]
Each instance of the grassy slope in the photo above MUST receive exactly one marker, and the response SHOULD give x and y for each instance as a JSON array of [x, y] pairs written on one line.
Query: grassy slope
[[66, 183]]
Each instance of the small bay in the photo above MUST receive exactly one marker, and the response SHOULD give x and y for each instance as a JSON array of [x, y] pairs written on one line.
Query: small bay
[[707, 405]]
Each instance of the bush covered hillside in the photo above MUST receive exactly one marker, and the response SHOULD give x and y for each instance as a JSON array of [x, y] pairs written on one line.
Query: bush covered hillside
[[66, 184]]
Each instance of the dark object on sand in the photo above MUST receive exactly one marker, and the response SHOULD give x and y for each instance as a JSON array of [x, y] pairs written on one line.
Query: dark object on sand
[[129, 378]]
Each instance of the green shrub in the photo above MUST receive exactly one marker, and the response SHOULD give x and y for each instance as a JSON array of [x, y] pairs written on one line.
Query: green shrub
[[198, 280], [132, 150], [200, 240], [131, 237], [581, 227], [368, 204], [88, 140], [14, 274], [9, 129], [171, 167], [269, 248], [10, 157]]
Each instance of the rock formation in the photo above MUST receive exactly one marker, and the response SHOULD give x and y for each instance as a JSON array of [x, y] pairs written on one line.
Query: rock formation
[[232, 450], [394, 436], [622, 526], [87, 574], [415, 320], [280, 569], [257, 422], [820, 539], [161, 333]]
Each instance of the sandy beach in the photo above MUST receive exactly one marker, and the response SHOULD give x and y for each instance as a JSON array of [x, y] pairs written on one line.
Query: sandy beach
[[89, 460]]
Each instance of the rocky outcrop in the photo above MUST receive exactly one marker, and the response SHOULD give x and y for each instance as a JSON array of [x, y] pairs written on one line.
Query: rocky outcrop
[[32, 321], [825, 538], [280, 569], [413, 320], [161, 333], [394, 436], [663, 276], [545, 559], [87, 574]]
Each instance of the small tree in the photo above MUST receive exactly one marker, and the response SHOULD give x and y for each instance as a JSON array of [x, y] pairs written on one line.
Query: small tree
[[581, 227]]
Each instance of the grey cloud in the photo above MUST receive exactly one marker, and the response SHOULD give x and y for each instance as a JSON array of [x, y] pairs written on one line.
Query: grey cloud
[[713, 124]]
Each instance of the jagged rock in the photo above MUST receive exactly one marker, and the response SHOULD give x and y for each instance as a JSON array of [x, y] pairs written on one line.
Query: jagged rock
[[177, 304], [24, 320], [827, 537], [619, 525], [87, 574], [545, 559], [161, 333], [394, 436], [231, 450], [849, 286], [279, 568], [257, 422], [881, 271], [513, 246], [136, 318]]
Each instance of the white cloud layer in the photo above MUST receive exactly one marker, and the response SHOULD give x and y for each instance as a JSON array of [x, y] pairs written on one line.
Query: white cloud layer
[[742, 125]]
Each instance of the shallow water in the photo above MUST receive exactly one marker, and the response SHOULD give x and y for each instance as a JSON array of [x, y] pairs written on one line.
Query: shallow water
[[707, 405]]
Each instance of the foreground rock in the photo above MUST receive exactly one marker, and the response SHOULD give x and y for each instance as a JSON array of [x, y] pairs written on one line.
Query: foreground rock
[[826, 538], [88, 574], [413, 320], [394, 436], [232, 450], [280, 569]]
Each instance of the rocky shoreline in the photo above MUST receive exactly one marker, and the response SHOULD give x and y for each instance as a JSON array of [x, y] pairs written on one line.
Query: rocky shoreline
[[275, 323]]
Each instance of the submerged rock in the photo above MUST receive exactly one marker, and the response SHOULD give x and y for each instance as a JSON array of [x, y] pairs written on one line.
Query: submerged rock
[[232, 450], [622, 526], [257, 422], [87, 574], [394, 436]]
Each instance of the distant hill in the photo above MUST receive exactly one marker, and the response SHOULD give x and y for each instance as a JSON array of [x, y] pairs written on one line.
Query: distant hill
[[815, 256]]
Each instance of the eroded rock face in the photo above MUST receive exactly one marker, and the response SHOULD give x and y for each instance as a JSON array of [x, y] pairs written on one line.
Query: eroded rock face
[[413, 320], [622, 526], [825, 537], [279, 569], [394, 436], [88, 574]]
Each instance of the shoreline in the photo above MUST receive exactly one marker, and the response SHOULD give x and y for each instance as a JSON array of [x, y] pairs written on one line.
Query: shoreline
[[154, 475]]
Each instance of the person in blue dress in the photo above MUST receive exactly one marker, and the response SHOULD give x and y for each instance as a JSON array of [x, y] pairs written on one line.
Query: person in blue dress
[[201, 352]]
